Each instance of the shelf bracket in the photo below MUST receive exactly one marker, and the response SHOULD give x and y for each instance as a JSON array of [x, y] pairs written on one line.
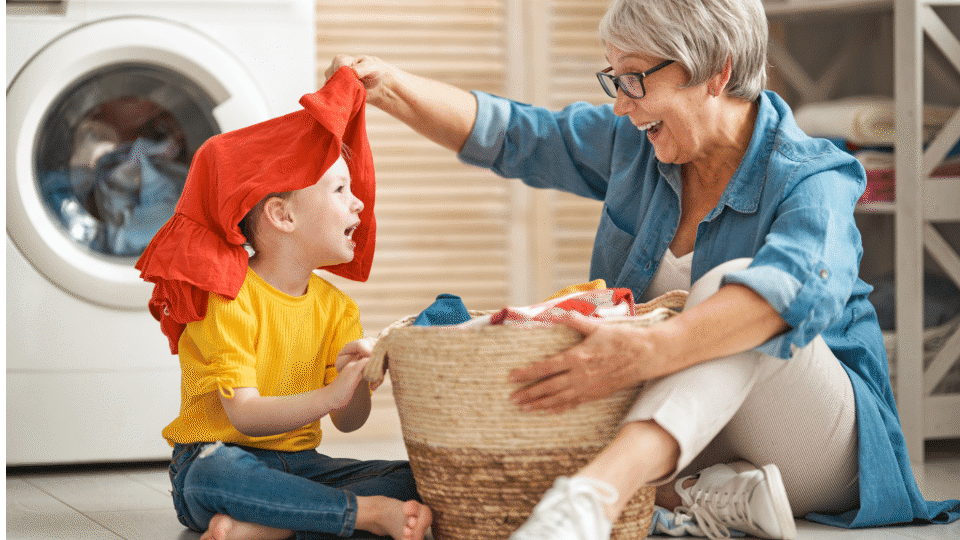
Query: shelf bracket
[[942, 363], [940, 33], [811, 90]]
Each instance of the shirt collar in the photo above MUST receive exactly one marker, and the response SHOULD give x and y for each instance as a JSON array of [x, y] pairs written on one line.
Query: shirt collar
[[745, 188]]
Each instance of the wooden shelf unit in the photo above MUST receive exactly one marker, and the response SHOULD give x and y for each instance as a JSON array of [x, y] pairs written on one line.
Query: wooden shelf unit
[[920, 200]]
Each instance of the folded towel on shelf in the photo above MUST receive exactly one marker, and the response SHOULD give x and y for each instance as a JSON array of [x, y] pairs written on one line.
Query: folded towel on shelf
[[866, 121]]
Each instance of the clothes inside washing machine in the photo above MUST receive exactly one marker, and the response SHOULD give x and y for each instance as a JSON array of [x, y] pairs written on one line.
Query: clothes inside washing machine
[[114, 154]]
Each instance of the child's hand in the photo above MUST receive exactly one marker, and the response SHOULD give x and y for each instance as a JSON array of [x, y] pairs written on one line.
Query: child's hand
[[341, 390], [355, 351]]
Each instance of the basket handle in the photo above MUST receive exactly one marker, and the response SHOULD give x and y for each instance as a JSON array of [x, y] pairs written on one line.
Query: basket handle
[[379, 359], [377, 367]]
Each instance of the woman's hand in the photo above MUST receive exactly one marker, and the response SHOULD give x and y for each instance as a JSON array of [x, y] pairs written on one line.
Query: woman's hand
[[613, 357], [609, 359], [439, 111], [371, 70]]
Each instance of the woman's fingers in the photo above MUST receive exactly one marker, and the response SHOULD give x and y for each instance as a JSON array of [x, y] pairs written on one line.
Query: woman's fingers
[[338, 62], [554, 393], [547, 367], [559, 362], [369, 69]]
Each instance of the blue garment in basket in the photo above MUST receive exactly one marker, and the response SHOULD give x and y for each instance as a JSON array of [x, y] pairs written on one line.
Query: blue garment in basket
[[446, 310]]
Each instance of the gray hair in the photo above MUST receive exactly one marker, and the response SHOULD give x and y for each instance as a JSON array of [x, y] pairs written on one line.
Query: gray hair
[[699, 34]]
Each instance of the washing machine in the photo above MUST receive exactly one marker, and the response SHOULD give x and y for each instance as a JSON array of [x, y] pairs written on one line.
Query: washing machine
[[106, 103]]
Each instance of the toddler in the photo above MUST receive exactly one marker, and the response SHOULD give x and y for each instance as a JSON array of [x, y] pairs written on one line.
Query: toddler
[[266, 346]]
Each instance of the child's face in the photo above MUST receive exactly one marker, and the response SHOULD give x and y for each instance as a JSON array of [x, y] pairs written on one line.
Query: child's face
[[328, 214]]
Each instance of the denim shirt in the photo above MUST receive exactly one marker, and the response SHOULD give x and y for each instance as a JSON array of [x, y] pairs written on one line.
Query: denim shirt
[[789, 207]]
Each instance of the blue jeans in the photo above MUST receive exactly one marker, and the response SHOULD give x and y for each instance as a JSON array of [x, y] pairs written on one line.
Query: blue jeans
[[307, 492]]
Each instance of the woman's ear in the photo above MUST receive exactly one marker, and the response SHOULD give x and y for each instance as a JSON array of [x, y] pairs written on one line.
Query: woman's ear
[[719, 81], [277, 212]]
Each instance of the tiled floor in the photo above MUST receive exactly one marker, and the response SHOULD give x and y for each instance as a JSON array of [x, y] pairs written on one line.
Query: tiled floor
[[133, 503]]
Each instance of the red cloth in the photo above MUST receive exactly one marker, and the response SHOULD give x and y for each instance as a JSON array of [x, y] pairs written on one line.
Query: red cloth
[[200, 249], [598, 303]]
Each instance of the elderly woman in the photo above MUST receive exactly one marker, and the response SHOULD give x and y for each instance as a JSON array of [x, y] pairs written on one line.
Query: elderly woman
[[768, 396]]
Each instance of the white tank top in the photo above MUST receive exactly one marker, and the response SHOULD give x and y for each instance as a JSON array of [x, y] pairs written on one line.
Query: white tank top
[[672, 275]]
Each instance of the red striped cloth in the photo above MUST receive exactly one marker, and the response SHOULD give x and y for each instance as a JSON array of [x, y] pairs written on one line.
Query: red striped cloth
[[598, 303]]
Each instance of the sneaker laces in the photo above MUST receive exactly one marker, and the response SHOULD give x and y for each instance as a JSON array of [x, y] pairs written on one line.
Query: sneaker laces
[[719, 509], [565, 506]]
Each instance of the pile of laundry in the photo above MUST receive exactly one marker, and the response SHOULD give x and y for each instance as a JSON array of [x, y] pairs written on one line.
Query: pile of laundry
[[592, 299], [113, 196]]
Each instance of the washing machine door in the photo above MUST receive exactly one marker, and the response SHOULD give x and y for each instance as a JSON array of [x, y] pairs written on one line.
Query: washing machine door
[[101, 126]]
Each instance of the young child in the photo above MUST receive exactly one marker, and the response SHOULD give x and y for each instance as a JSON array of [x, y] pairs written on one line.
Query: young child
[[266, 346]]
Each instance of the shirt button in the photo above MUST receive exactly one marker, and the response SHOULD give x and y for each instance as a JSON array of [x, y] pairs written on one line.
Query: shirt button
[[824, 273]]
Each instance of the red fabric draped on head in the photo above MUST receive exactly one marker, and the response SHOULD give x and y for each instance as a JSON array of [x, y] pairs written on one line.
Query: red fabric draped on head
[[200, 249]]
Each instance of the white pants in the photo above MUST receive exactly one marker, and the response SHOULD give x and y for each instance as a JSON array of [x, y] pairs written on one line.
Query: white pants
[[798, 413]]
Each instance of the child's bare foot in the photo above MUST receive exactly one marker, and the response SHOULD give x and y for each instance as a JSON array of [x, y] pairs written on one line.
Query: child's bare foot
[[400, 520], [224, 527], [419, 517]]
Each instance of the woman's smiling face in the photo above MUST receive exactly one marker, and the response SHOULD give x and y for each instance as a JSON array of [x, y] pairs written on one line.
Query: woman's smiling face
[[670, 115]]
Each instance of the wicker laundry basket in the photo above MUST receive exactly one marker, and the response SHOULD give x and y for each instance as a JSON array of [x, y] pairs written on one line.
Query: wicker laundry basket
[[480, 463]]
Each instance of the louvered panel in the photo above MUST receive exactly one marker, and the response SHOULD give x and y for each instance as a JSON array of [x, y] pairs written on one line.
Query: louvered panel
[[443, 227], [576, 55]]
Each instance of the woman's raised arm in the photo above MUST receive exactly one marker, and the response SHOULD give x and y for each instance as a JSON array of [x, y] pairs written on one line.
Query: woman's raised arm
[[441, 112]]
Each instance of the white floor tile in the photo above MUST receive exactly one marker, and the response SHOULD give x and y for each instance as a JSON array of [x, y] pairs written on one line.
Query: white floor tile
[[158, 480], [101, 492], [23, 498], [25, 526], [807, 530], [144, 524]]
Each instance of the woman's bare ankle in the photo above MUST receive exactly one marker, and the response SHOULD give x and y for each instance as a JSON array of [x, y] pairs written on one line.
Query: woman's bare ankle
[[667, 497], [617, 466]]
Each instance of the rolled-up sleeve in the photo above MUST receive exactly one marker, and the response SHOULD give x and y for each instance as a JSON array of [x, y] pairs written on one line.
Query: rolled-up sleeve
[[570, 150], [808, 264], [485, 142]]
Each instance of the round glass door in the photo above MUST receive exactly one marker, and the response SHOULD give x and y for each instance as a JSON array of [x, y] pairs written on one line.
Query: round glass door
[[102, 123], [112, 154]]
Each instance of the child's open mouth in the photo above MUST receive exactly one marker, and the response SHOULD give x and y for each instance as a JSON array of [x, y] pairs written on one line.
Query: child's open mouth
[[350, 230]]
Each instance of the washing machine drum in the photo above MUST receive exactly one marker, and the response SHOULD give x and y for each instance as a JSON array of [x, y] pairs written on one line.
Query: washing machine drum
[[113, 152], [95, 165]]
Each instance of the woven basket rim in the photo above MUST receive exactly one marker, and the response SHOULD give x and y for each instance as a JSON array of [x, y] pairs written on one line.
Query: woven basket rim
[[657, 309]]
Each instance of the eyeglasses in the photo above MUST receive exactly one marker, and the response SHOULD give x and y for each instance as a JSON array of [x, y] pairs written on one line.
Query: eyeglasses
[[630, 83]]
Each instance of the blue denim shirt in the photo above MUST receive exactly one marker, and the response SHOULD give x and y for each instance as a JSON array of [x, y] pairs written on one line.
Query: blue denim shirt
[[789, 207]]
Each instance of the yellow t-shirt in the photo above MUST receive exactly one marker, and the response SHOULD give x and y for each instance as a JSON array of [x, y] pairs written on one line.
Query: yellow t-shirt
[[280, 344]]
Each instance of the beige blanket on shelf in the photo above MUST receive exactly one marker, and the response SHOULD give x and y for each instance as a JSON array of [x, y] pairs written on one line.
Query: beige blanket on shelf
[[865, 121]]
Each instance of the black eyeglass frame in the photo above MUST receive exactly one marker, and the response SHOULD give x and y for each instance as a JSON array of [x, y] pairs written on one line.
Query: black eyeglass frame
[[616, 79]]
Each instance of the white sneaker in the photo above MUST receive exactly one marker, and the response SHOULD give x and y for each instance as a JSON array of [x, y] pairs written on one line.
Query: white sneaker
[[571, 510], [754, 502]]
